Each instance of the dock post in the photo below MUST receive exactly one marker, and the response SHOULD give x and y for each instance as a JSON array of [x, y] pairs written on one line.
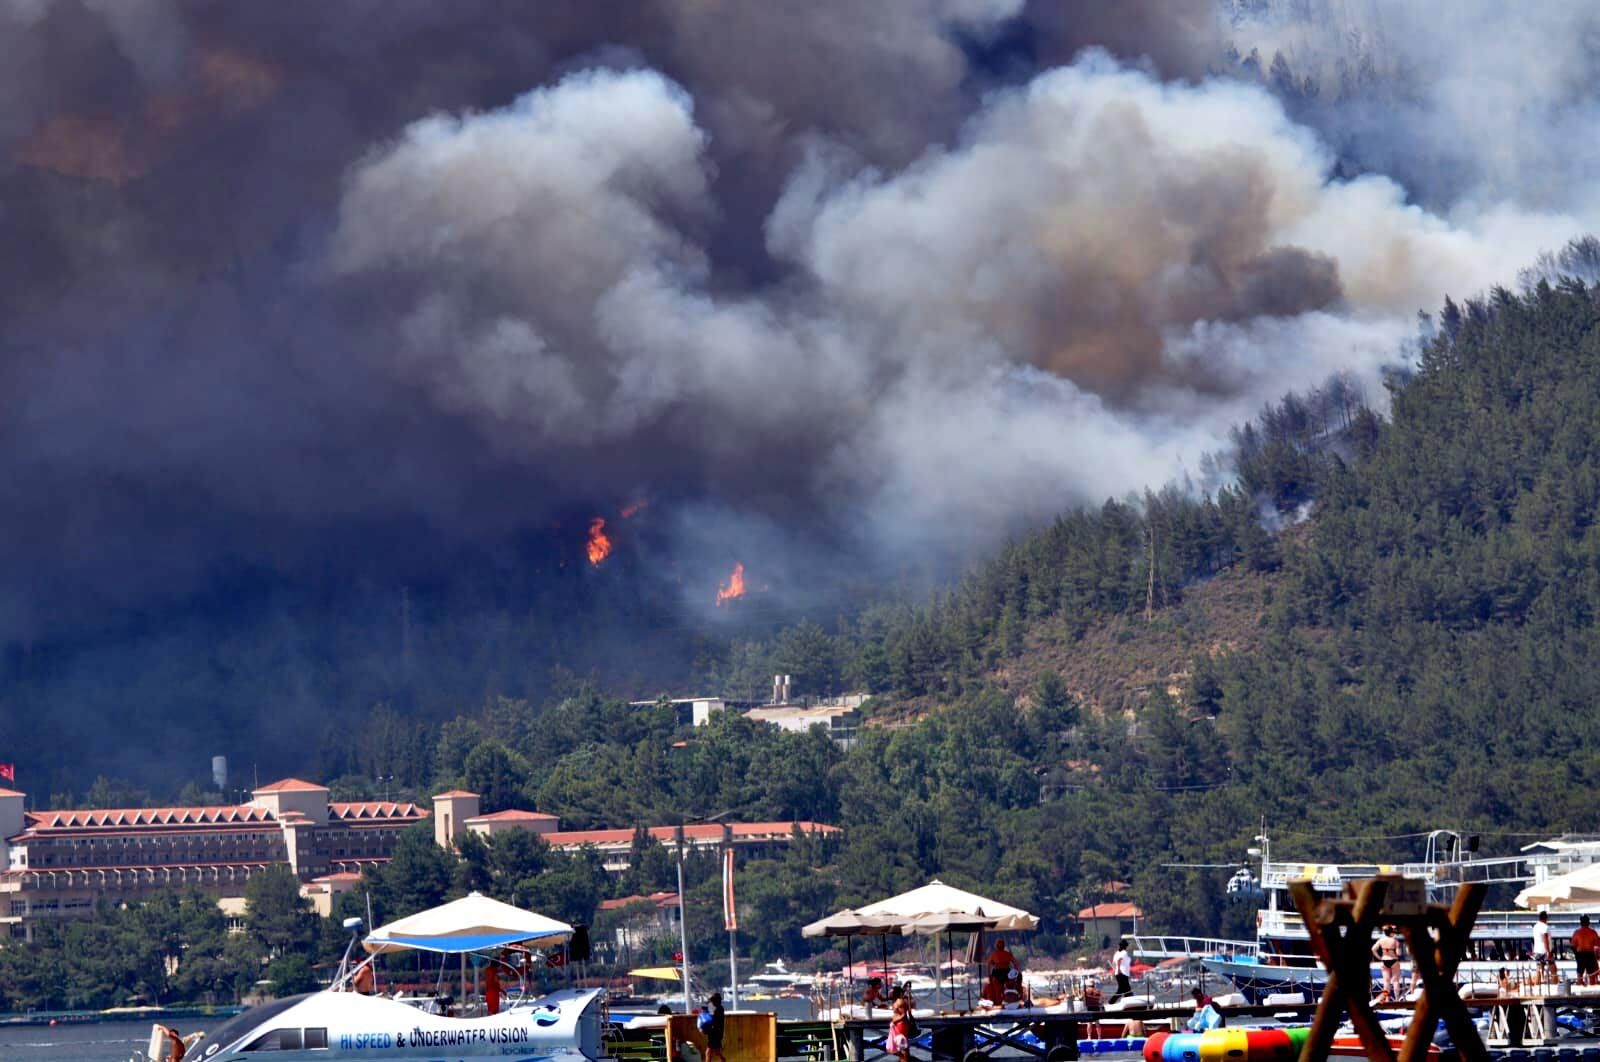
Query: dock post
[[855, 1044]]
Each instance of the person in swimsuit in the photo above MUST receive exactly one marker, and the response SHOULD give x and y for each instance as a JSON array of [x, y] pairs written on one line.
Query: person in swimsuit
[[1586, 949], [1387, 951], [898, 1041]]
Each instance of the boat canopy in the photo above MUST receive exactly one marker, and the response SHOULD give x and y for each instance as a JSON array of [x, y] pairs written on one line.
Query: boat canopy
[[658, 973], [473, 923]]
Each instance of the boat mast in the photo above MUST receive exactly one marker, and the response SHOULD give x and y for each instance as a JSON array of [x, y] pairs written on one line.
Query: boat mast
[[1265, 852]]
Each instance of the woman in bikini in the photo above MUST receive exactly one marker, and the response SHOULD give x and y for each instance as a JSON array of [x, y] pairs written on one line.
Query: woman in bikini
[[1387, 952]]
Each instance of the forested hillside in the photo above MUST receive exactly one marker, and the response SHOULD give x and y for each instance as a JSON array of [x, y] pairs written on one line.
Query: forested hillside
[[1384, 625]]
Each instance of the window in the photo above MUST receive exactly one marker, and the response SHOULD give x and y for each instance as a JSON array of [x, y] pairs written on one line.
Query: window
[[316, 1039], [19, 907], [281, 1040]]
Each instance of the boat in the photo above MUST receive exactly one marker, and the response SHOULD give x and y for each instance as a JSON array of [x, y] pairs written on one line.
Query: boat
[[336, 1023], [1279, 967], [775, 980], [350, 1019]]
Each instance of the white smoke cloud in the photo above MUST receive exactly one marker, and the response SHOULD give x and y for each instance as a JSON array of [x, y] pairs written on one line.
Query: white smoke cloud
[[1083, 293], [1470, 103]]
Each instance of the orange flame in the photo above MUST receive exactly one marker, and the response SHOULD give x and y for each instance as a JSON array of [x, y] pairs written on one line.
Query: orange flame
[[599, 544], [735, 587]]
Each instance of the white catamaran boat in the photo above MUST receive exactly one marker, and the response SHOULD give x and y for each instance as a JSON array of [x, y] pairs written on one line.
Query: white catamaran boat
[[1278, 963], [344, 1022]]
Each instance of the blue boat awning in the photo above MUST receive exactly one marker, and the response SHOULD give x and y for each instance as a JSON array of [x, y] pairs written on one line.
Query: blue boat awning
[[453, 944]]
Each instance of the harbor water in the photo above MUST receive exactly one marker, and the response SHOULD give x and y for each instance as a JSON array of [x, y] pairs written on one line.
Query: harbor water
[[106, 1041]]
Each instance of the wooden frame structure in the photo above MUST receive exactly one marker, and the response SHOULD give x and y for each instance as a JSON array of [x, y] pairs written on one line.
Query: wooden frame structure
[[1341, 936]]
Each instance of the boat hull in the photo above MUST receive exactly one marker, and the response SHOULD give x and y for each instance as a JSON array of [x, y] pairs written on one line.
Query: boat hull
[[561, 1027], [1256, 981]]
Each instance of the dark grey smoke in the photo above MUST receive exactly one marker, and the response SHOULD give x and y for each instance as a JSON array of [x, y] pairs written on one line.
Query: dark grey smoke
[[832, 280], [193, 370]]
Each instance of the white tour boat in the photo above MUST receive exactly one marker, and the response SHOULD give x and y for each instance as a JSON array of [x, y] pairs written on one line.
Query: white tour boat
[[346, 1021]]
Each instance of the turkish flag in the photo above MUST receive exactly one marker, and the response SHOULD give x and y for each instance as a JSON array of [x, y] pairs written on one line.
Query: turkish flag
[[8, 771], [556, 958]]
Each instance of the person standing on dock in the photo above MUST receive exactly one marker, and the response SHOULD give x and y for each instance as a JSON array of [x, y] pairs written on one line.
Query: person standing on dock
[[1001, 961], [1122, 968], [1586, 950], [714, 1028], [1386, 949], [1544, 955], [898, 1041]]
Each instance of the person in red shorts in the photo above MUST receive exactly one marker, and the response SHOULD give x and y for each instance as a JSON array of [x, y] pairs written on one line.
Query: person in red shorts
[[1586, 948]]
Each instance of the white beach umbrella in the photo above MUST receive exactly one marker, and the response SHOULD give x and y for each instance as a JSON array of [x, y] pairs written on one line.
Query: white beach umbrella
[[1581, 887], [473, 923], [937, 898], [852, 924]]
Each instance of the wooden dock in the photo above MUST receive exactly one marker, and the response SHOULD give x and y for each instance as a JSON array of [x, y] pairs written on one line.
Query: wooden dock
[[1516, 1024]]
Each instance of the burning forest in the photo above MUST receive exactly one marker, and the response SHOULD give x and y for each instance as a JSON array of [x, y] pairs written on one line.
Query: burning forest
[[284, 334]]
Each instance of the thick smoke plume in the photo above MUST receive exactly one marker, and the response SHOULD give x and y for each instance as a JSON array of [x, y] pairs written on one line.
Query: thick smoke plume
[[883, 280]]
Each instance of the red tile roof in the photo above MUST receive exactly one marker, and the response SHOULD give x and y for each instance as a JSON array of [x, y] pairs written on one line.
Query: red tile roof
[[660, 899], [291, 785], [513, 816], [10, 792], [1111, 910], [368, 810], [700, 832], [224, 818], [230, 815], [454, 793]]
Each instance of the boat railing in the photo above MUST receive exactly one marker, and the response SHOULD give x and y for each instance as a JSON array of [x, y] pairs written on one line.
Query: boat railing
[[1331, 877], [1280, 923], [1148, 946]]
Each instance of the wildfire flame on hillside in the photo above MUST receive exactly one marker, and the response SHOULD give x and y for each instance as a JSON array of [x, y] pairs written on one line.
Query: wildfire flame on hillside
[[735, 587], [599, 544]]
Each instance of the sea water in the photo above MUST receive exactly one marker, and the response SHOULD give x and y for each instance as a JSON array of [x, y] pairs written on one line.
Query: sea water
[[105, 1041]]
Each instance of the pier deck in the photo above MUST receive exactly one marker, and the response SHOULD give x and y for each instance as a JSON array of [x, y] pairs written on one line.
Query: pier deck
[[1515, 1022]]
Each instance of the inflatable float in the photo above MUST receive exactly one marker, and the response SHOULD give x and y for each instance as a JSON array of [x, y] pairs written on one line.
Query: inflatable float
[[1227, 1045], [1249, 1045]]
